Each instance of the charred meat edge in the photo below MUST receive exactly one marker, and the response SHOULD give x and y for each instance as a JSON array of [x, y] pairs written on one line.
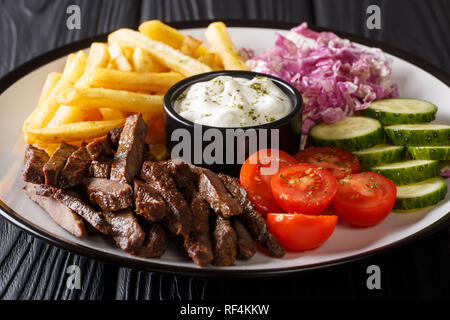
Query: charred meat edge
[[214, 192], [110, 195], [155, 243], [56, 163], [100, 168], [75, 169], [34, 162], [99, 148], [179, 218], [253, 219], [75, 203], [125, 230], [246, 244], [62, 215], [130, 153], [148, 202], [225, 242]]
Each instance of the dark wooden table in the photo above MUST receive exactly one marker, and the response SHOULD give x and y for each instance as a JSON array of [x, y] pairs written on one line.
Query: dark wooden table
[[32, 269]]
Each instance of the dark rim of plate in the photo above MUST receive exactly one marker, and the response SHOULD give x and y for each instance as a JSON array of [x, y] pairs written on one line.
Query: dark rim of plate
[[152, 264]]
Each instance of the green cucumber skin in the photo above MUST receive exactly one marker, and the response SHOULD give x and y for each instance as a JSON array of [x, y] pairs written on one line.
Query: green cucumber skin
[[429, 154], [387, 118], [352, 144], [383, 157], [404, 176], [417, 138], [421, 202]]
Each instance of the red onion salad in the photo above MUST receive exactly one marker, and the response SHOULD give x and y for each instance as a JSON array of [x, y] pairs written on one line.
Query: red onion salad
[[335, 76]]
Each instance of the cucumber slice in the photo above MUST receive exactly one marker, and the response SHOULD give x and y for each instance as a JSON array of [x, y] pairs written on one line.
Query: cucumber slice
[[401, 111], [430, 153], [410, 171], [352, 133], [419, 134], [380, 154], [421, 195]]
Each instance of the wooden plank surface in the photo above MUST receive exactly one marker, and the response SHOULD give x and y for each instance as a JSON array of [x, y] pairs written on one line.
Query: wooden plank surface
[[32, 269]]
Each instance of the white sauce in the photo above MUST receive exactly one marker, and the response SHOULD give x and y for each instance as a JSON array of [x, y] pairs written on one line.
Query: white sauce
[[233, 102]]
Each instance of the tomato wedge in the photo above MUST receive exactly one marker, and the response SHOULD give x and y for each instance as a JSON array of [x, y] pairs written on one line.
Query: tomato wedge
[[364, 199], [301, 232], [304, 188], [338, 161], [256, 173]]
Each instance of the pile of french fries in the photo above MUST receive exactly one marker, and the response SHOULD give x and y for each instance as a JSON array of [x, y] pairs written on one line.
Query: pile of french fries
[[129, 74]]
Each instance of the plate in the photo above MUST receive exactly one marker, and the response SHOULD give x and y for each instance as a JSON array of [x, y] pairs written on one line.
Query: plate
[[19, 94]]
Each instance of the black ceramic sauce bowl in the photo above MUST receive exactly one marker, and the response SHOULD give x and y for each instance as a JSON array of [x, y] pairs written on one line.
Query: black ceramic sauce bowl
[[224, 149]]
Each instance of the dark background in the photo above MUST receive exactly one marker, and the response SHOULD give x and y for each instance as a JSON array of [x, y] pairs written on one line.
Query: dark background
[[32, 269]]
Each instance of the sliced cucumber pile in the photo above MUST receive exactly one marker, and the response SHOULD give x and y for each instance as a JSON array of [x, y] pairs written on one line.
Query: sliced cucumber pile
[[380, 154], [401, 111], [430, 153], [410, 171], [352, 133], [421, 195], [419, 134]]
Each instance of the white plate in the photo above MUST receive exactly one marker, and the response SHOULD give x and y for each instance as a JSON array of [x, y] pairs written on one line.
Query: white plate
[[345, 244]]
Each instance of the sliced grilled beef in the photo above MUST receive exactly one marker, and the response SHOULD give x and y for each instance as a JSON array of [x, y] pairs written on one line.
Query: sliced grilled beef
[[183, 176], [253, 219], [110, 195], [180, 216], [149, 203], [198, 244], [225, 241], [155, 243], [114, 137], [61, 214], [56, 163], [100, 168], [34, 162], [75, 169], [71, 200], [125, 230], [245, 242], [99, 148], [130, 153], [214, 192]]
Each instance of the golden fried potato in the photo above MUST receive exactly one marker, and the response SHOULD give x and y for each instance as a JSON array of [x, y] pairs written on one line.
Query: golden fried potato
[[117, 55], [157, 82], [74, 131], [114, 99], [221, 43], [163, 53], [71, 74]]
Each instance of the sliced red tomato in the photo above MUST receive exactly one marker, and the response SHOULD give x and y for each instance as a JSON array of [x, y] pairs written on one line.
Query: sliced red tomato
[[304, 188], [364, 199], [301, 232], [338, 161], [256, 173]]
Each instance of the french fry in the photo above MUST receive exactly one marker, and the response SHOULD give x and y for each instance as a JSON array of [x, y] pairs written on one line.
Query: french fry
[[50, 83], [111, 114], [74, 131], [157, 30], [220, 42], [98, 57], [189, 46], [157, 82], [156, 131], [142, 61], [119, 58], [71, 74], [163, 53], [115, 99]]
